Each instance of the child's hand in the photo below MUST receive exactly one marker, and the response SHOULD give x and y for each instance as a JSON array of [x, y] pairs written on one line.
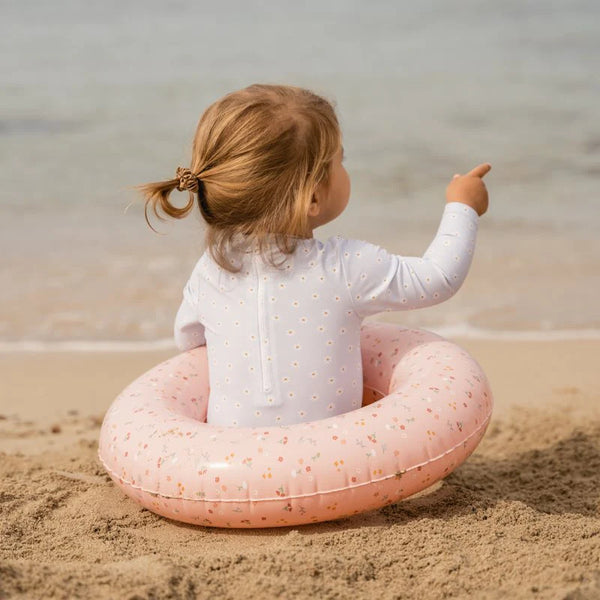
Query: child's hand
[[470, 189]]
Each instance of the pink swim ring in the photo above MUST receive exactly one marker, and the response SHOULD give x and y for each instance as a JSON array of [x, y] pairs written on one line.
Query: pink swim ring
[[426, 406]]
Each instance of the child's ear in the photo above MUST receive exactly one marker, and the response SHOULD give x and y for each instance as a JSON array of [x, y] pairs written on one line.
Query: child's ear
[[315, 207]]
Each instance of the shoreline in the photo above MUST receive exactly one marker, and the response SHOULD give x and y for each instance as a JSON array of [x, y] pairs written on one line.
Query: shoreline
[[458, 332], [520, 372]]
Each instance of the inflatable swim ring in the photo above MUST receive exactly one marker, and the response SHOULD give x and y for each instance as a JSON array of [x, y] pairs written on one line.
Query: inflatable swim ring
[[426, 406]]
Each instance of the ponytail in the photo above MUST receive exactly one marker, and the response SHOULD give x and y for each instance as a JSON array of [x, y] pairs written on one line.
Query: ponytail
[[157, 194], [258, 155]]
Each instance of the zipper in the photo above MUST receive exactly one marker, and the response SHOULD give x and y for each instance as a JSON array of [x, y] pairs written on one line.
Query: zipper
[[263, 331]]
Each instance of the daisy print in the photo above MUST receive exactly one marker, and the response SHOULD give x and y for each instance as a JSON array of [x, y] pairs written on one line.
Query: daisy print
[[309, 316]]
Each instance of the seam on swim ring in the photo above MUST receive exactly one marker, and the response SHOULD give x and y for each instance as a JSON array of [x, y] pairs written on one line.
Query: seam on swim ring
[[372, 389], [322, 493]]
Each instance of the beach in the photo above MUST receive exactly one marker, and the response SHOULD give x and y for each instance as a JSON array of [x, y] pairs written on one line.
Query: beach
[[98, 98], [519, 519]]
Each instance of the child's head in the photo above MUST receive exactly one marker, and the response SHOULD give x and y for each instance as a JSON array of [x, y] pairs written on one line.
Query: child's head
[[263, 161]]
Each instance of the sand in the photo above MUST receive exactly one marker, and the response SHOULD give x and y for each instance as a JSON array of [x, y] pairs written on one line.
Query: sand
[[519, 519]]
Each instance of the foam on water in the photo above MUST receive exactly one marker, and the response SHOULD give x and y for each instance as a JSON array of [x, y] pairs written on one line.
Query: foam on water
[[464, 331]]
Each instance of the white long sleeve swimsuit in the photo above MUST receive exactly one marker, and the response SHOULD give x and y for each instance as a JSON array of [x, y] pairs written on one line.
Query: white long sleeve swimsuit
[[283, 345]]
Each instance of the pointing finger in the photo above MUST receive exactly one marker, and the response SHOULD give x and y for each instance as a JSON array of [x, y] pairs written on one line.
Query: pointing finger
[[480, 170], [456, 175]]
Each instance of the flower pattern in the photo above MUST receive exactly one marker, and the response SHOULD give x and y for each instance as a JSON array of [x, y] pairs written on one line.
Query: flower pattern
[[158, 448], [269, 331]]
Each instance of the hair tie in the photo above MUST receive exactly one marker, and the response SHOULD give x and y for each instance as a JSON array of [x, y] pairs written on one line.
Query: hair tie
[[192, 183], [187, 180]]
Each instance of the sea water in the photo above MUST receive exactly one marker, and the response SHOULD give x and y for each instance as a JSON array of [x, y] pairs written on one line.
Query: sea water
[[99, 97]]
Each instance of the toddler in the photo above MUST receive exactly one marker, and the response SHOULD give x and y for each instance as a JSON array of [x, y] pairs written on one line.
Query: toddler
[[279, 310]]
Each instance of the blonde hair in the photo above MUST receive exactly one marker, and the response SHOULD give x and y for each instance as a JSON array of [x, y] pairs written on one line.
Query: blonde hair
[[259, 154]]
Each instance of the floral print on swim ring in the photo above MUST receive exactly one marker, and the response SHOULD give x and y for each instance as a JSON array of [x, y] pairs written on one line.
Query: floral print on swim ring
[[426, 405]]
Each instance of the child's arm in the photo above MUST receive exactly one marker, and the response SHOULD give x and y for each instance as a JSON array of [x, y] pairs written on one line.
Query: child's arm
[[188, 331], [379, 281]]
